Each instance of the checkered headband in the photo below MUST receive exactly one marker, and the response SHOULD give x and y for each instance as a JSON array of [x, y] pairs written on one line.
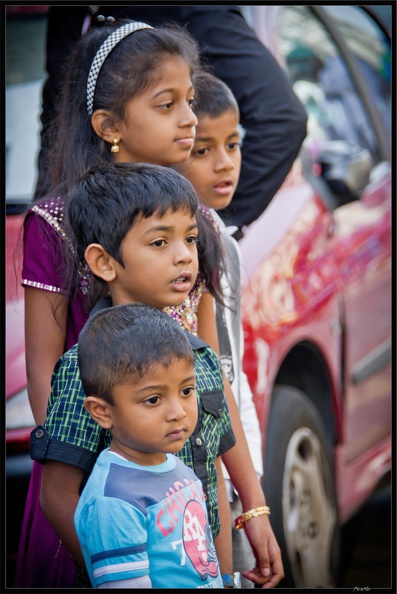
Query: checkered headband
[[103, 53]]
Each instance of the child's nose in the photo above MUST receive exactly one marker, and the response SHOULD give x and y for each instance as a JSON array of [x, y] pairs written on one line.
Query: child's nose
[[183, 254], [188, 118], [176, 410], [224, 162]]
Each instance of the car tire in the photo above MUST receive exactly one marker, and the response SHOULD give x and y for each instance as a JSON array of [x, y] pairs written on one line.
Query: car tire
[[299, 489]]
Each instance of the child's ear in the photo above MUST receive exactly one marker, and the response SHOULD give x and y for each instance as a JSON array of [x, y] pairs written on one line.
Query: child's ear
[[100, 262], [105, 126], [100, 411]]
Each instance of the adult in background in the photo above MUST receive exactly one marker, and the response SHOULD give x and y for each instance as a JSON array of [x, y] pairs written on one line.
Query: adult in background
[[271, 114]]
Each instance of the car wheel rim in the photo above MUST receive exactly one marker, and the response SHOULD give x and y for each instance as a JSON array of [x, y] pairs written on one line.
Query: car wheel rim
[[309, 513]]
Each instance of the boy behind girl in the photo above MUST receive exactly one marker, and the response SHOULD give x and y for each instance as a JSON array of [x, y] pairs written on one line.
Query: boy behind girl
[[213, 169], [141, 519]]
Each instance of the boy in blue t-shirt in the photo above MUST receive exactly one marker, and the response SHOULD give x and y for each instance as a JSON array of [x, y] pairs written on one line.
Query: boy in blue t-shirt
[[141, 519]]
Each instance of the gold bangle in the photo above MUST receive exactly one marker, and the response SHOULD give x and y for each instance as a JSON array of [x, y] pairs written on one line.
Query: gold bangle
[[252, 513]]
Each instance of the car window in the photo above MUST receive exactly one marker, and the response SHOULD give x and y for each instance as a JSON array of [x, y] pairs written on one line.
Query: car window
[[321, 80], [372, 50]]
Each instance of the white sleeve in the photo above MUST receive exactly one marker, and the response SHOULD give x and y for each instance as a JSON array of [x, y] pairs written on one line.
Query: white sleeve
[[240, 386], [250, 422]]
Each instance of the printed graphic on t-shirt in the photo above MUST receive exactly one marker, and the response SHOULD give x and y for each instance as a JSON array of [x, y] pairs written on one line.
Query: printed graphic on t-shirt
[[197, 541]]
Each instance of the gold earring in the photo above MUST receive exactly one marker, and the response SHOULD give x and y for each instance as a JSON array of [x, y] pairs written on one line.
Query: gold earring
[[115, 148]]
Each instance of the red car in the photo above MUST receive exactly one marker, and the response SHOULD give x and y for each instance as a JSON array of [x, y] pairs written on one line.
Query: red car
[[317, 292], [316, 295]]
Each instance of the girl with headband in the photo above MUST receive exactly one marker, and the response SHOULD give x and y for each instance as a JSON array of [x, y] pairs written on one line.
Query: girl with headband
[[108, 111]]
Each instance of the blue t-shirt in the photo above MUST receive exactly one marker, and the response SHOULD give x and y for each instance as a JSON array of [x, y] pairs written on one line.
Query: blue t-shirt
[[134, 521]]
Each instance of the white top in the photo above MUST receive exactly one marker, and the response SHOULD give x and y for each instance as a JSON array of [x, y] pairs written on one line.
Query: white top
[[232, 353]]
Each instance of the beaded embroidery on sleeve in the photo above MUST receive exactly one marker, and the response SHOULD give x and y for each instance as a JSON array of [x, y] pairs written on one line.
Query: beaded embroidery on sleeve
[[52, 211]]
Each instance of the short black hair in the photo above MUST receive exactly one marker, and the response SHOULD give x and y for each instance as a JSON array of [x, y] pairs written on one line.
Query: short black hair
[[104, 205], [108, 200], [212, 97], [123, 342]]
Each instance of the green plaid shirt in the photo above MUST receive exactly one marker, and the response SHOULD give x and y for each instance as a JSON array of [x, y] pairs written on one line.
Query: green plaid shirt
[[70, 435]]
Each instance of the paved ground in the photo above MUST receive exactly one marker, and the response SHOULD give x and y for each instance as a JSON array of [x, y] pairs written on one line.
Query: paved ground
[[368, 539]]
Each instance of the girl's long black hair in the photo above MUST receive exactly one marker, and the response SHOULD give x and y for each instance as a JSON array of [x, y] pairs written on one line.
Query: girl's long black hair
[[74, 147]]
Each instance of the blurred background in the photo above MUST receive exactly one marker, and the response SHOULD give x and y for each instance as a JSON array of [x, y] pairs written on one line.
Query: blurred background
[[25, 72]]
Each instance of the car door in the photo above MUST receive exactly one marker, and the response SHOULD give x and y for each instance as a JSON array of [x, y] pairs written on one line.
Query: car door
[[338, 59], [366, 260]]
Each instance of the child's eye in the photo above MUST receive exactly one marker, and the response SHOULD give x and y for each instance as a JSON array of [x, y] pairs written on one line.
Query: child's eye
[[200, 152], [190, 102], [158, 243], [166, 106], [191, 239], [232, 146], [152, 400], [188, 391]]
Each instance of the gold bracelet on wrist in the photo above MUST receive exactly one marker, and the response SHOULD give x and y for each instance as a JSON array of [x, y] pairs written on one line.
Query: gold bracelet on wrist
[[252, 513]]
